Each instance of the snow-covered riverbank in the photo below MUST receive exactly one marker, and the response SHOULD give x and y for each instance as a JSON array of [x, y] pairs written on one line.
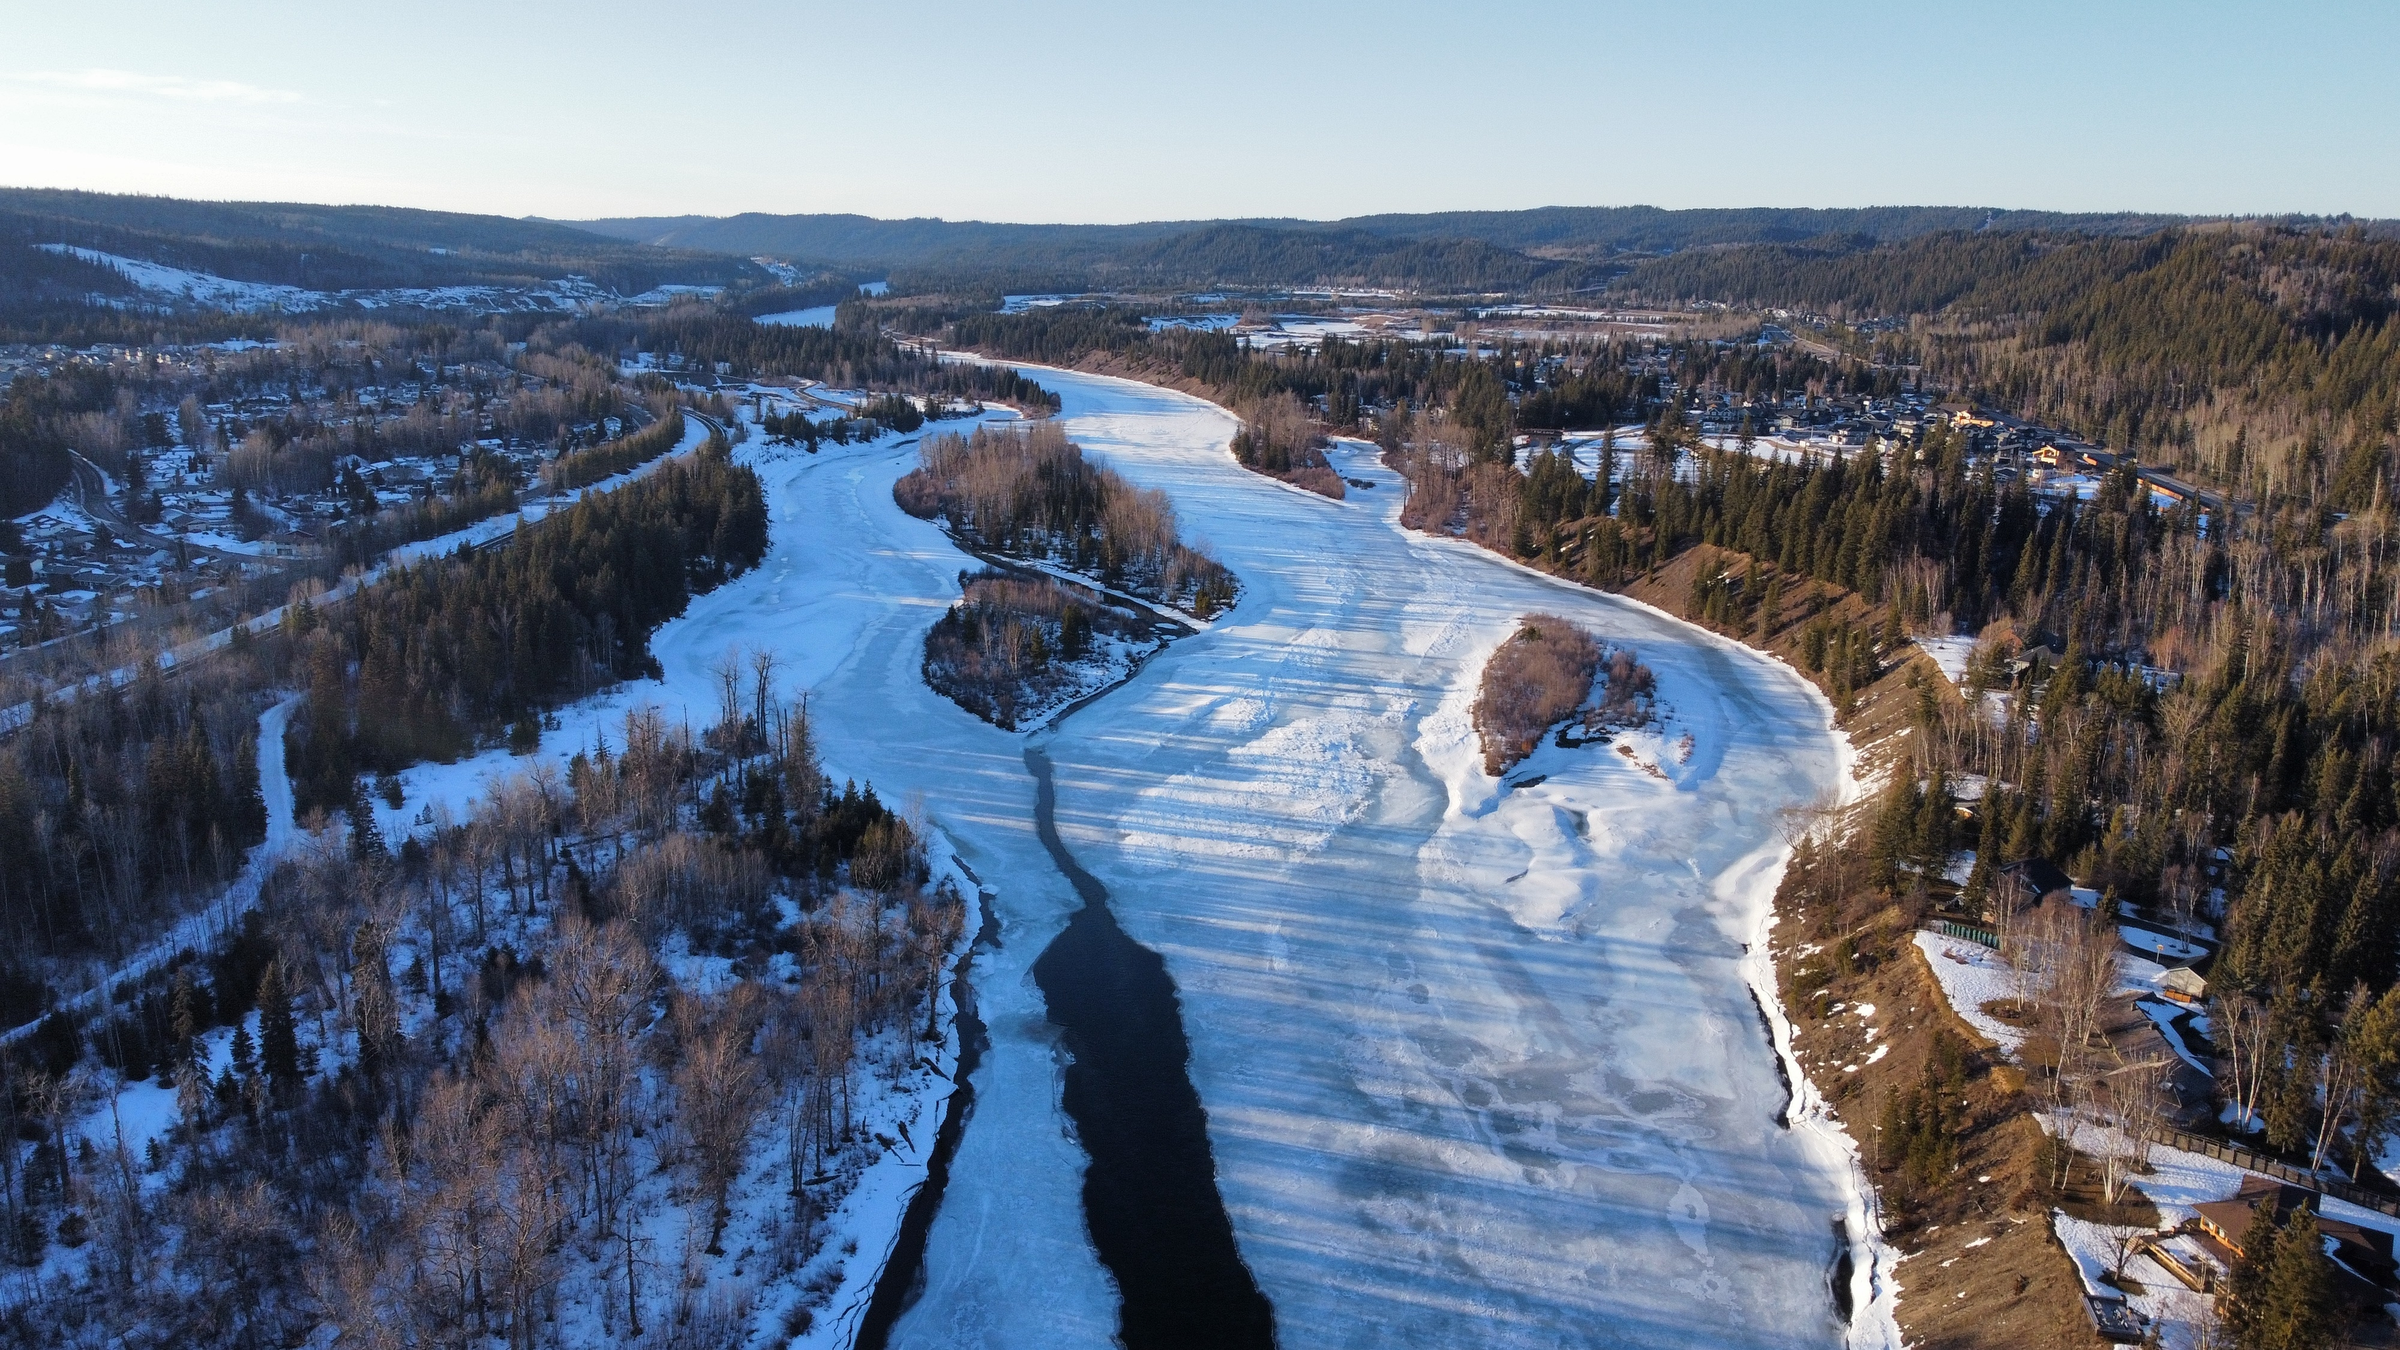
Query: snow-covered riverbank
[[1481, 1065]]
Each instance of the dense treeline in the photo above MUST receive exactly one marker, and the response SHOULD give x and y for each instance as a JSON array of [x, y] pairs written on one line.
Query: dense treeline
[[342, 247], [435, 657], [36, 417], [583, 468], [1338, 379], [1030, 493], [1072, 254], [119, 807], [781, 299]]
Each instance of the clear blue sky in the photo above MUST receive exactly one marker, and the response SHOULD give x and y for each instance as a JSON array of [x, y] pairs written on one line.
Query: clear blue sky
[[1113, 112]]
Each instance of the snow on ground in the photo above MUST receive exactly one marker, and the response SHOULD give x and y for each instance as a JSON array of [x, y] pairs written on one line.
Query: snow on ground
[[2165, 948], [2164, 1014], [1481, 1064], [1302, 332], [1950, 653], [848, 588], [204, 288], [2175, 1310], [198, 287], [1972, 975], [2177, 1181], [197, 931]]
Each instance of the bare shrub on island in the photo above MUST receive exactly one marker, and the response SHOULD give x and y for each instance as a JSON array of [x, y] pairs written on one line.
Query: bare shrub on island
[[1280, 439], [1532, 683], [1029, 493], [1010, 644], [1543, 676]]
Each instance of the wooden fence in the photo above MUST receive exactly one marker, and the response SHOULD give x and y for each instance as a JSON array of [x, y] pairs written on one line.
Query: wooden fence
[[2281, 1171], [1971, 933]]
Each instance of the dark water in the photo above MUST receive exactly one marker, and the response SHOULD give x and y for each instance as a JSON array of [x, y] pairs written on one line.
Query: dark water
[[1150, 1196], [903, 1278]]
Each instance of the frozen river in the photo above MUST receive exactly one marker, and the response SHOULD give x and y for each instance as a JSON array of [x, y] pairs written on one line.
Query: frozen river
[[1481, 1066]]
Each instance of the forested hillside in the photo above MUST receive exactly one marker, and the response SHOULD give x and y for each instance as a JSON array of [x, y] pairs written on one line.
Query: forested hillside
[[1285, 250], [2263, 358], [342, 247]]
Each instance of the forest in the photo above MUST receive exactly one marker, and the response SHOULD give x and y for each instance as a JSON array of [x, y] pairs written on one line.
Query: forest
[[1438, 251], [496, 1081], [343, 247], [469, 1089], [439, 657]]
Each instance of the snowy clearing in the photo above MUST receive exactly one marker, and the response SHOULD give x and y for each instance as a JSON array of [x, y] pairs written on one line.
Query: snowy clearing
[[1972, 975]]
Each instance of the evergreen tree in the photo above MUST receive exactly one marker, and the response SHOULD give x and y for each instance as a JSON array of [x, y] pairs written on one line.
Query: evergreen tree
[[278, 1033], [2244, 1300], [366, 836], [2292, 1312], [183, 1020]]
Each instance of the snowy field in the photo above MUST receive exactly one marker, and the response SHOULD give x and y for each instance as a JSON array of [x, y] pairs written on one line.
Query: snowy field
[[1481, 1063]]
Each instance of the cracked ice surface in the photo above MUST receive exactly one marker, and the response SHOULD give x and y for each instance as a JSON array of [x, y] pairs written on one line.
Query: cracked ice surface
[[1481, 1067]]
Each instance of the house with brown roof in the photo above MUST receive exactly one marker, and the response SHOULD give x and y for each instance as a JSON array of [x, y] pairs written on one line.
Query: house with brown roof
[[2362, 1256]]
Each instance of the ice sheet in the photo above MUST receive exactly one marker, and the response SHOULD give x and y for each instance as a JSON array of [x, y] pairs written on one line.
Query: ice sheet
[[1482, 1066]]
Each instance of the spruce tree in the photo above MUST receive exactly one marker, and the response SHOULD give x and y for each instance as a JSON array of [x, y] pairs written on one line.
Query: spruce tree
[[183, 1018], [2244, 1301], [278, 1034], [366, 837], [2291, 1314]]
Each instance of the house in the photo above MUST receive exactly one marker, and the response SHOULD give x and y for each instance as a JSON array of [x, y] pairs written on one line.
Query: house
[[2031, 662], [2028, 881], [2184, 985], [2365, 1254]]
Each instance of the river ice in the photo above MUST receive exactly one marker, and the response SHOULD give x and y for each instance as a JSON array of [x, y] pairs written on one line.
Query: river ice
[[1482, 1065]]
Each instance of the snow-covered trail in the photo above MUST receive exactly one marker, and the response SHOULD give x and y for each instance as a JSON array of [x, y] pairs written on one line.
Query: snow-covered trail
[[1480, 1067]]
